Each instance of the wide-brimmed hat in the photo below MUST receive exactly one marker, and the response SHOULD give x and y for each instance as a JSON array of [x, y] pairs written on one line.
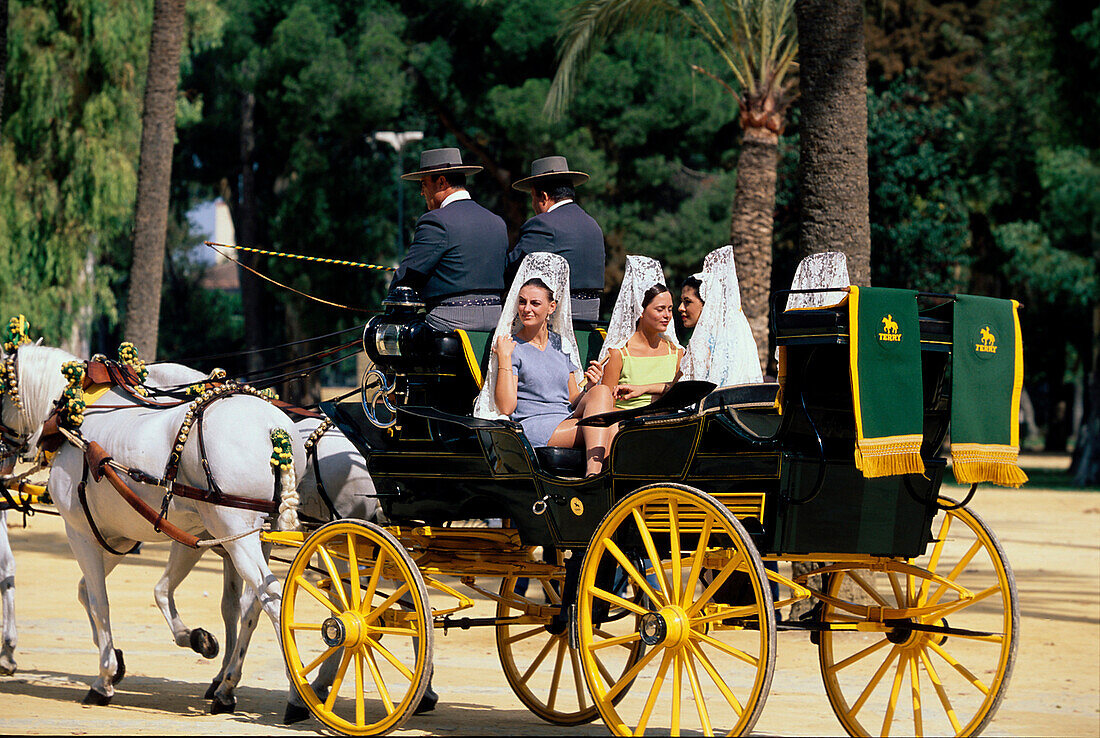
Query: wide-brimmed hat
[[441, 161], [550, 167]]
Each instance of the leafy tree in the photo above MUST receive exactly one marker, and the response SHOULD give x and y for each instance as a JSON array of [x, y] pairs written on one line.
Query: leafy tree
[[755, 42]]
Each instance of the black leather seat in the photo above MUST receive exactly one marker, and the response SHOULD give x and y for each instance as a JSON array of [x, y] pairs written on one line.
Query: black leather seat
[[756, 395], [561, 462]]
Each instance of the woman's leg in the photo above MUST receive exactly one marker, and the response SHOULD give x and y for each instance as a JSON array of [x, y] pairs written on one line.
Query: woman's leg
[[597, 400]]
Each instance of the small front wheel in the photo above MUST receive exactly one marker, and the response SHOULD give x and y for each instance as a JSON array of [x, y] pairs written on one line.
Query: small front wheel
[[705, 616], [356, 628]]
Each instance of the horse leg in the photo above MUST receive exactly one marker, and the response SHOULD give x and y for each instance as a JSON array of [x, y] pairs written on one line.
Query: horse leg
[[233, 593], [7, 592], [92, 591], [181, 560]]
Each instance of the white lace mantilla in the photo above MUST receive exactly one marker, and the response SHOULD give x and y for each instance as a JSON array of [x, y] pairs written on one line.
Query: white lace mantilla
[[722, 349], [554, 271], [818, 271], [641, 273]]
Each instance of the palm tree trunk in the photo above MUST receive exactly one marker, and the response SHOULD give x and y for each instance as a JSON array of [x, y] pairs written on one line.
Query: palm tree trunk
[[833, 133], [158, 136], [247, 235], [751, 229]]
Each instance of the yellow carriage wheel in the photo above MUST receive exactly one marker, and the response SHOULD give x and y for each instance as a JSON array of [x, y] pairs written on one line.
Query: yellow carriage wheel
[[710, 641], [540, 664], [356, 628], [941, 651]]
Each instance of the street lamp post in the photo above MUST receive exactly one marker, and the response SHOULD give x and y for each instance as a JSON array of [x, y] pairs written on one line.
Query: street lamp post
[[398, 139]]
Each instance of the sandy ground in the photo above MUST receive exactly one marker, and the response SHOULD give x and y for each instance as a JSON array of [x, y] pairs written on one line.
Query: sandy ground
[[1052, 539]]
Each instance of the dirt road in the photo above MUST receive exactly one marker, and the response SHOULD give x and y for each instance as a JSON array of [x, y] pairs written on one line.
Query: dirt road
[[1052, 540]]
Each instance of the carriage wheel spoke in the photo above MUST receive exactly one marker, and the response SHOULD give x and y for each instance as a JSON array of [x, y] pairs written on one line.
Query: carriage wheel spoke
[[372, 583], [654, 557], [608, 679], [636, 578], [934, 560], [388, 656], [628, 677], [674, 541], [304, 626], [577, 681], [895, 585], [697, 561], [385, 604], [319, 660], [697, 693], [948, 708], [737, 653], [958, 569], [963, 604], [555, 680], [895, 690], [914, 683], [875, 679], [338, 680], [551, 595], [317, 594], [624, 640], [654, 692], [867, 588], [857, 656], [334, 573], [616, 600], [715, 677], [359, 707], [677, 686], [525, 635], [379, 684], [353, 570], [538, 660], [719, 579], [967, 674]]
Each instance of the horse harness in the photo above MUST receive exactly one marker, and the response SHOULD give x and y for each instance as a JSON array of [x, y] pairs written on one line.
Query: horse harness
[[311, 454]]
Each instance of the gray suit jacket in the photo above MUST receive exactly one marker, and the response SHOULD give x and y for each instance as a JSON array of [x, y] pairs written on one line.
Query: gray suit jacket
[[569, 232]]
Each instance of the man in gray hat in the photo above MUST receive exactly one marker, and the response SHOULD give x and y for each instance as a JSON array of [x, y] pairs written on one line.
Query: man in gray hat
[[562, 227], [457, 256]]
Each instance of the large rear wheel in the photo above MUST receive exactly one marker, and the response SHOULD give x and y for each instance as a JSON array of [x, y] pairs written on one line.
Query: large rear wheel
[[356, 628], [710, 639], [937, 642]]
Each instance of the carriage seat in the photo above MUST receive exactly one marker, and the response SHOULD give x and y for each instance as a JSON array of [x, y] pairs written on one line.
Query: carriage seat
[[561, 462], [750, 409]]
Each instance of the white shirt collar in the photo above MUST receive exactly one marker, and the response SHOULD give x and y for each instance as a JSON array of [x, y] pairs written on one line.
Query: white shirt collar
[[558, 204], [455, 197]]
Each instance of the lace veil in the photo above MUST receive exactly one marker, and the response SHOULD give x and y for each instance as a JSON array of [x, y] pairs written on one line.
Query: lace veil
[[641, 273], [722, 349], [554, 271], [818, 271]]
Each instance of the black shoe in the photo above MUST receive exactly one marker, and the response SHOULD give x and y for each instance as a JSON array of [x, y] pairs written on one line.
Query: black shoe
[[427, 702]]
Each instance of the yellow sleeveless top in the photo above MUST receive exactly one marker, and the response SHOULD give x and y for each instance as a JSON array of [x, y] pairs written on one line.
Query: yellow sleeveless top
[[646, 370]]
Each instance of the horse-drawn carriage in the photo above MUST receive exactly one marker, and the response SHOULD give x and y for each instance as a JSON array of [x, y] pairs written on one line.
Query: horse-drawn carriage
[[649, 595]]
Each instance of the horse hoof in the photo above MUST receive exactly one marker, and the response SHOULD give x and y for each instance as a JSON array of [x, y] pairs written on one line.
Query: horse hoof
[[120, 669], [95, 699], [212, 689], [220, 706], [427, 702], [295, 714], [203, 643], [7, 666]]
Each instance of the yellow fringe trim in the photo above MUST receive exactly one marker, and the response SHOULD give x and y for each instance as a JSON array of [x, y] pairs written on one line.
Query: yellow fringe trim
[[889, 455], [987, 462]]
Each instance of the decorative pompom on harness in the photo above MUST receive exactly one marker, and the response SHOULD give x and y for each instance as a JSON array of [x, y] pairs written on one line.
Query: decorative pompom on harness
[[14, 337], [71, 406], [128, 356]]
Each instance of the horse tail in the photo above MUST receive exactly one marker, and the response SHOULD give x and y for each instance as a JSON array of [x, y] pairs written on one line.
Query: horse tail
[[282, 460]]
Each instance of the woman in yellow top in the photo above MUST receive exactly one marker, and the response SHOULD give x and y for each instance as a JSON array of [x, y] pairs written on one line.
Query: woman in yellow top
[[648, 363]]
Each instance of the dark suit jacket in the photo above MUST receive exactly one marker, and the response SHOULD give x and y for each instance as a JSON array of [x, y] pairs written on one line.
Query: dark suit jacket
[[456, 249], [569, 232]]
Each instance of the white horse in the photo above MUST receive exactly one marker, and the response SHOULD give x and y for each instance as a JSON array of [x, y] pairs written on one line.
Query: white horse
[[239, 434]]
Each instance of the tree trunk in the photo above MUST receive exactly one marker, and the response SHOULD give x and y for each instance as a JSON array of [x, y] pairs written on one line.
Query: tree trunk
[[158, 136], [832, 167], [751, 229], [247, 226], [3, 59], [1087, 456]]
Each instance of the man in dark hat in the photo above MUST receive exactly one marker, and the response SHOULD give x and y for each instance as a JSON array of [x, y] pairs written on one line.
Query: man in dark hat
[[457, 256], [562, 227]]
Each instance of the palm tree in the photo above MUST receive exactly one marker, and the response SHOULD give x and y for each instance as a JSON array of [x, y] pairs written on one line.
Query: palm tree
[[158, 136], [756, 42]]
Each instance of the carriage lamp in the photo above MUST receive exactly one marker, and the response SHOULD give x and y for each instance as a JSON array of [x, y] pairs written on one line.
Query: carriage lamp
[[386, 340]]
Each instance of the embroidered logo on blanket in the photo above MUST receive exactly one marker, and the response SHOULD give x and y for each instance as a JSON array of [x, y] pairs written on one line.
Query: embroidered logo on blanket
[[988, 342], [890, 332]]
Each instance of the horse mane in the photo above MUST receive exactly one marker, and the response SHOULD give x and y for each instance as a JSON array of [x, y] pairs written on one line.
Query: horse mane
[[40, 382]]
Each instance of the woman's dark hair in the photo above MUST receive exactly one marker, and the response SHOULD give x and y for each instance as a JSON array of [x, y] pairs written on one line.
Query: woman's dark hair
[[651, 293], [694, 283], [536, 282]]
